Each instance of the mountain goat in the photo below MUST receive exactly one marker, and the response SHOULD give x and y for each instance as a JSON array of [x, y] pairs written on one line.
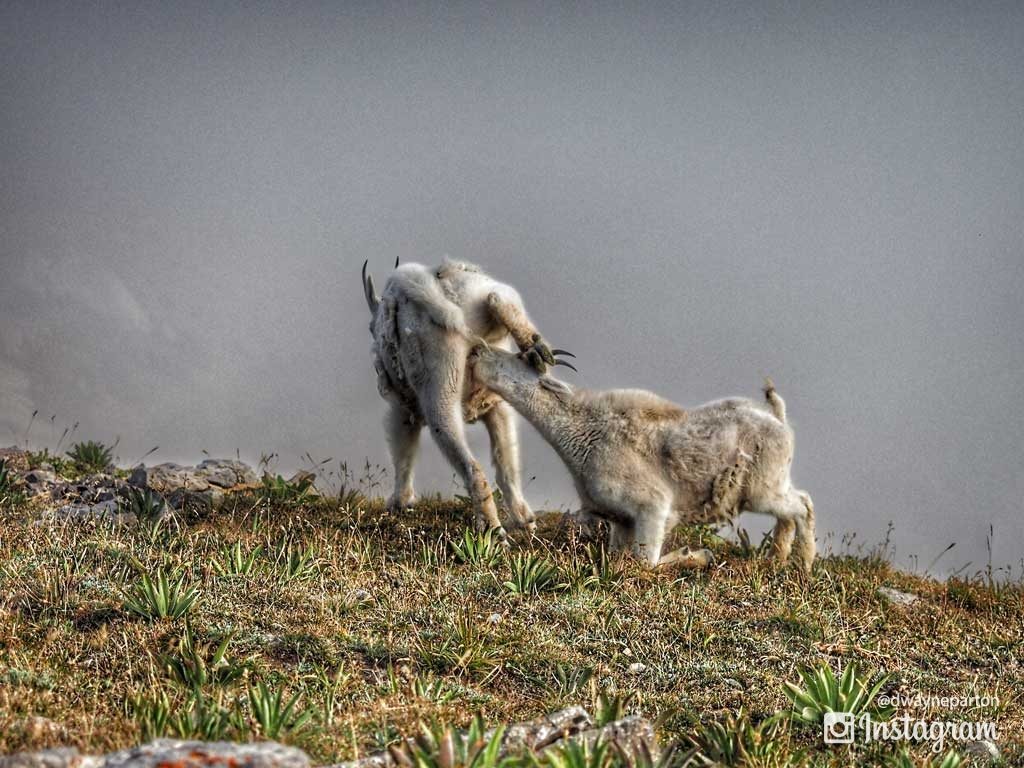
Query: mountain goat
[[643, 463], [423, 326]]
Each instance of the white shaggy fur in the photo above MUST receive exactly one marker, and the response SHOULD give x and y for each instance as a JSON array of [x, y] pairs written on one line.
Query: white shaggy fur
[[423, 326], [643, 463]]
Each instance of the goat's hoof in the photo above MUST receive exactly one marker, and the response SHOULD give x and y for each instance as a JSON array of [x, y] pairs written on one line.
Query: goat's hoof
[[500, 535], [399, 503], [544, 351], [689, 558], [535, 360]]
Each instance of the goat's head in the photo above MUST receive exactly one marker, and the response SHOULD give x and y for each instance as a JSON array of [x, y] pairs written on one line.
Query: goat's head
[[510, 374]]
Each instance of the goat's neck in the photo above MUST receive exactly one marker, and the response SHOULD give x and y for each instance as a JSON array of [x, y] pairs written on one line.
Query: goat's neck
[[569, 425]]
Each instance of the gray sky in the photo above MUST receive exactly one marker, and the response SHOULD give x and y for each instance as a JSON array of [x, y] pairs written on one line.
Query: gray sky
[[688, 196]]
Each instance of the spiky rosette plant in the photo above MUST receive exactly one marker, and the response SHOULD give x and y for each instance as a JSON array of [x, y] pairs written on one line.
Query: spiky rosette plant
[[91, 456]]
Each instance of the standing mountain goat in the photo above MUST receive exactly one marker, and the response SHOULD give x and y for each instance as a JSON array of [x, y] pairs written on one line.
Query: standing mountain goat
[[423, 327], [643, 463]]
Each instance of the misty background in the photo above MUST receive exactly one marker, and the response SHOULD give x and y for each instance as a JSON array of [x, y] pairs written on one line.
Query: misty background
[[688, 196]]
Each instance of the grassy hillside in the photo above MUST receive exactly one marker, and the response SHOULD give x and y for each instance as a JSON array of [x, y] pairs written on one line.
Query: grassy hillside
[[376, 622]]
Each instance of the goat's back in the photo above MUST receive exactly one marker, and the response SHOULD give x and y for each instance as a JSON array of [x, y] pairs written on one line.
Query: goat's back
[[698, 449]]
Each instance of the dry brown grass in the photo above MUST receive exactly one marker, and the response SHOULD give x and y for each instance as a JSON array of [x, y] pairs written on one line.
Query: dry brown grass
[[375, 626]]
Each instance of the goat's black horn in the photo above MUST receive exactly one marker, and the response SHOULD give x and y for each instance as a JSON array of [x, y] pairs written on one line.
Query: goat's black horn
[[397, 259], [562, 352], [364, 270], [566, 364]]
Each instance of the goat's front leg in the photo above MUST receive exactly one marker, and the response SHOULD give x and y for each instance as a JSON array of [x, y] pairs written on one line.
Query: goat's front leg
[[510, 313], [649, 531], [501, 427], [403, 430], [620, 535]]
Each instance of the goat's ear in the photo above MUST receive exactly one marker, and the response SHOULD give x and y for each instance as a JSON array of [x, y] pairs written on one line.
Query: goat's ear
[[556, 386]]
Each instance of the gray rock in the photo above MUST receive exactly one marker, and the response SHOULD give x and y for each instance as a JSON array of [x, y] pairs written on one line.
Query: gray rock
[[897, 597], [198, 754], [168, 478], [40, 476], [89, 490], [571, 724], [61, 757], [633, 735], [105, 511], [243, 473], [168, 752], [982, 749], [139, 478], [222, 477], [205, 500]]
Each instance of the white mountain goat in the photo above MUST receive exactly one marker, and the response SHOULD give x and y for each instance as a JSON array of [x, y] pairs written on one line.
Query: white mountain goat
[[423, 326], [643, 463]]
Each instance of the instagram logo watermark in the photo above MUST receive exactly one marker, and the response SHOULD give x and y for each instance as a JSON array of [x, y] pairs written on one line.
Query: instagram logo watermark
[[839, 727], [846, 728]]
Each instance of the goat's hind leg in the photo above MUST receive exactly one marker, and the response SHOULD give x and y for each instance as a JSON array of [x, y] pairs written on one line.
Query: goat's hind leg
[[782, 539], [403, 431], [794, 515], [727, 490], [806, 547]]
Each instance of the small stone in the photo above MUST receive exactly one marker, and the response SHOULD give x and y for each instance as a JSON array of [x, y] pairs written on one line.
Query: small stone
[[139, 478], [494, 618], [222, 477], [307, 479], [205, 500], [361, 595], [898, 597], [40, 476], [983, 749], [637, 668]]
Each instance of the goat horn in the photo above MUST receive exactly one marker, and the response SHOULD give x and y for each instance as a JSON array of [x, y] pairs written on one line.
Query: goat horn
[[562, 352], [397, 259], [372, 300], [566, 364]]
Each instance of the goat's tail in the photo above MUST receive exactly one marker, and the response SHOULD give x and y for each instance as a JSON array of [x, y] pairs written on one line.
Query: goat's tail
[[775, 401]]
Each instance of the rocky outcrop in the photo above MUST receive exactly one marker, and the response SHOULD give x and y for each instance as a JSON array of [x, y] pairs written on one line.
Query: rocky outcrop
[[634, 735], [105, 497], [168, 752], [14, 458], [212, 473]]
